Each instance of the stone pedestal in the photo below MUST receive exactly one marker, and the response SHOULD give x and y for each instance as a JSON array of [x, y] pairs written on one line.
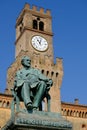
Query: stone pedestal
[[37, 121]]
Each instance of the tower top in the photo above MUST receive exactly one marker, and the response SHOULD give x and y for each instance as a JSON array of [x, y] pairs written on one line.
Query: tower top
[[35, 8], [39, 11]]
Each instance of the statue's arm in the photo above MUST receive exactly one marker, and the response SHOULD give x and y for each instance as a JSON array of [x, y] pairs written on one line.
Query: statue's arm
[[18, 80], [48, 81]]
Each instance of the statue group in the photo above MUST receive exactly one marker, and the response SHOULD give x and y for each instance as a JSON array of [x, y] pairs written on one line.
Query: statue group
[[31, 85]]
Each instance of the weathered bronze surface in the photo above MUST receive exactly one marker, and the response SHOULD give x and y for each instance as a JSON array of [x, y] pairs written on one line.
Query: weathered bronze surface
[[30, 85]]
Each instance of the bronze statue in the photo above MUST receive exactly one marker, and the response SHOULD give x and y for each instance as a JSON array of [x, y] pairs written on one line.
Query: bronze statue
[[30, 84]]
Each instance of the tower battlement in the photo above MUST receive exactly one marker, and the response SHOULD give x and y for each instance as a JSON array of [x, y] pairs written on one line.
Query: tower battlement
[[38, 9], [35, 10]]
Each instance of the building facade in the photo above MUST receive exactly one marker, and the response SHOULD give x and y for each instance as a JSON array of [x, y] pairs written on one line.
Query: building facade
[[34, 38]]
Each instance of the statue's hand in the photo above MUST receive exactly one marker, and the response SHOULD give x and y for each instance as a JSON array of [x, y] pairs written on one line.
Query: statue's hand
[[50, 82], [16, 88]]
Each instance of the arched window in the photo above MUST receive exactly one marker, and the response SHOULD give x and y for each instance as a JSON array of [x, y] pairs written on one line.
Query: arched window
[[74, 113], [83, 115], [86, 114], [47, 73], [20, 28], [71, 113], [56, 74], [80, 114], [68, 113], [35, 24], [77, 114], [0, 103], [65, 112], [20, 25], [41, 26], [52, 73], [8, 104], [42, 71]]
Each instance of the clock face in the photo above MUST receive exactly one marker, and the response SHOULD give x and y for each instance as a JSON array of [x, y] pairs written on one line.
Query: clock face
[[39, 43]]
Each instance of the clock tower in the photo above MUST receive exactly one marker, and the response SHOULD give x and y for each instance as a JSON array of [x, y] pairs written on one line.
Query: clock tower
[[34, 39], [34, 33]]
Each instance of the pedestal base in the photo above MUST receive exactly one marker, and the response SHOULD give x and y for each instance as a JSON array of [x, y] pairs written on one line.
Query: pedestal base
[[37, 121]]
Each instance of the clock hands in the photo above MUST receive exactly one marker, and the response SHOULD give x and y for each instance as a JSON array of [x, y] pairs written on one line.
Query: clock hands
[[39, 40]]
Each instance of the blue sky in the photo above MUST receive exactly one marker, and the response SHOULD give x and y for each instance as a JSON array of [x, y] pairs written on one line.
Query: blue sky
[[69, 25]]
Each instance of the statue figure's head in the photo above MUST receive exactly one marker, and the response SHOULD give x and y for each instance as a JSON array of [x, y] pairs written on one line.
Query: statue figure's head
[[26, 61]]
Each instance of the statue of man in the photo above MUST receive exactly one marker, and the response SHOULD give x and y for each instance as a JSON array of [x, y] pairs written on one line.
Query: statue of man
[[30, 84]]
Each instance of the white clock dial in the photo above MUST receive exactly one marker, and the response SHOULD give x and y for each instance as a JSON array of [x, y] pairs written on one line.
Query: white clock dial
[[39, 43]]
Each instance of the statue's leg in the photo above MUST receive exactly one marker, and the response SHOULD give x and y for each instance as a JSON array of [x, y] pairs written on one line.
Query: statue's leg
[[41, 88], [25, 94]]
